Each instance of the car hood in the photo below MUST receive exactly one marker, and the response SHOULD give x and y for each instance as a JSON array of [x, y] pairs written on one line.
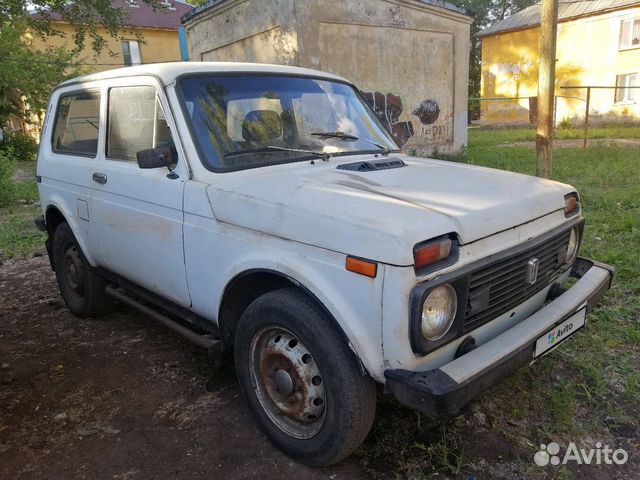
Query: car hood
[[381, 215]]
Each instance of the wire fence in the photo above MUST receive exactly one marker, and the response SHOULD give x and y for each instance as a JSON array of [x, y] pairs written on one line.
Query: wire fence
[[475, 102], [588, 103]]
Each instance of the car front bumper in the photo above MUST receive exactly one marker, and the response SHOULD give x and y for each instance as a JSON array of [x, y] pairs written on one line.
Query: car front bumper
[[443, 391]]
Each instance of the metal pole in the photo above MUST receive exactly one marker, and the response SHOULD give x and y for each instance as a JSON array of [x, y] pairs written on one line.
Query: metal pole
[[546, 87], [183, 40], [586, 119]]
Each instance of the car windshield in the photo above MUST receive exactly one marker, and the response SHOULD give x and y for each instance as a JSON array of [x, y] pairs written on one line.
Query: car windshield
[[244, 121]]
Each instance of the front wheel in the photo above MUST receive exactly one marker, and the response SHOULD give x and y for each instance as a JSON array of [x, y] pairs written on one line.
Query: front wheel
[[301, 379]]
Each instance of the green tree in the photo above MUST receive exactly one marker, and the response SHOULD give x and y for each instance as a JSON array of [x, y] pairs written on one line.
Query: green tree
[[85, 16], [28, 75]]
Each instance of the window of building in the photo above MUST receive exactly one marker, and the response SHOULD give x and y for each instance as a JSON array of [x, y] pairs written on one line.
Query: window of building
[[131, 52], [167, 4], [626, 93], [136, 122], [630, 33], [76, 124]]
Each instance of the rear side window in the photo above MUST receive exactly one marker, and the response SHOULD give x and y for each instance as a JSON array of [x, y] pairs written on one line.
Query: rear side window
[[76, 124], [136, 122]]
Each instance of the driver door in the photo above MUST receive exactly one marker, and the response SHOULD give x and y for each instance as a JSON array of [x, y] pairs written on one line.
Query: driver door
[[136, 215]]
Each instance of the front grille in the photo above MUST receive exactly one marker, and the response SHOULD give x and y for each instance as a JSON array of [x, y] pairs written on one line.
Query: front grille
[[502, 285]]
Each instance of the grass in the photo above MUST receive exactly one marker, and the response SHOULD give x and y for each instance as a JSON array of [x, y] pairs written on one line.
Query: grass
[[590, 386], [19, 236], [600, 365], [479, 137]]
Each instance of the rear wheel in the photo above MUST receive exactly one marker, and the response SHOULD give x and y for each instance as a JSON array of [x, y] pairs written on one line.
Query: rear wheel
[[301, 379], [82, 288]]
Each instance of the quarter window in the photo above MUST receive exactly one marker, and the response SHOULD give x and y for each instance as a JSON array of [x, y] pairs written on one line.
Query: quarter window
[[136, 122], [77, 124], [167, 4], [131, 53], [624, 92], [630, 33]]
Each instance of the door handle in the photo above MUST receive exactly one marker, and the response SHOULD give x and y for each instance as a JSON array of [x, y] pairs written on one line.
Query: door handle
[[100, 178]]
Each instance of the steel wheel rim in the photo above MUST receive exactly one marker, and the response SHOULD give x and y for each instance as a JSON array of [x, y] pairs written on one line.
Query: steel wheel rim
[[287, 382], [73, 270]]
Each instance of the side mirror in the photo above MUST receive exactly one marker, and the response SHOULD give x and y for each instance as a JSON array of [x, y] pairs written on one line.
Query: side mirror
[[157, 157]]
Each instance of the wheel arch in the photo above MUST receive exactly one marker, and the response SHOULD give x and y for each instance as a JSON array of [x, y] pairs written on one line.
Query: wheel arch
[[55, 215], [250, 284]]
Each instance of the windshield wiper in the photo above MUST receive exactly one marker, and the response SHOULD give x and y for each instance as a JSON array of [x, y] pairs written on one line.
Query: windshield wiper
[[349, 137], [255, 151], [270, 149], [323, 155]]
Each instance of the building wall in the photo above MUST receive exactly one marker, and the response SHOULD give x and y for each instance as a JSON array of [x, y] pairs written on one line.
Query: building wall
[[409, 59], [160, 46], [587, 54], [246, 30], [509, 69]]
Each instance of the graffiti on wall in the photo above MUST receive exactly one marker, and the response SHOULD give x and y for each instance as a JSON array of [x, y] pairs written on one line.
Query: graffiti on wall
[[388, 108], [429, 113], [435, 125]]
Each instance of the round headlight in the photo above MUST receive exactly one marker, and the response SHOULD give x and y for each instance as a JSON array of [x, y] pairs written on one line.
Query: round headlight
[[438, 312], [572, 248]]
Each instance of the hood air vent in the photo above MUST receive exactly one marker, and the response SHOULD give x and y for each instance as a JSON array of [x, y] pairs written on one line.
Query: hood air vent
[[373, 166]]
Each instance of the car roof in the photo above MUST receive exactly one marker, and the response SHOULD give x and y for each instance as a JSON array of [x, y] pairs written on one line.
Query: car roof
[[168, 72]]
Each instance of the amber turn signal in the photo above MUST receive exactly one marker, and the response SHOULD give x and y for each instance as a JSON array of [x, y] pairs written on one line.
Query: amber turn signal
[[432, 253], [571, 204], [363, 267]]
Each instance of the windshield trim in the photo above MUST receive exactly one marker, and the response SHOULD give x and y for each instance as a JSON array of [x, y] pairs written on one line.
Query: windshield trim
[[211, 168]]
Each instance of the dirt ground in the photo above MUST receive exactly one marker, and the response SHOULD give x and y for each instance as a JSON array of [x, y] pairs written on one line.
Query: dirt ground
[[122, 398], [118, 398]]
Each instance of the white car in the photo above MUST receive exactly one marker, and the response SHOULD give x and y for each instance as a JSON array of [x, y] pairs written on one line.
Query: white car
[[264, 210]]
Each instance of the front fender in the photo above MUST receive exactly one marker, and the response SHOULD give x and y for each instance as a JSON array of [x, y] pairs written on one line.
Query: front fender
[[216, 253], [354, 301], [80, 228]]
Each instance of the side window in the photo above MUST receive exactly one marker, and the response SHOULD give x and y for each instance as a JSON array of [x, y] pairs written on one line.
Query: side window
[[76, 124], [136, 122], [630, 33], [625, 91]]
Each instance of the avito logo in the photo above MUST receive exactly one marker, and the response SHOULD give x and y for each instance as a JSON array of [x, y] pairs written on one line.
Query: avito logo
[[556, 335], [550, 454]]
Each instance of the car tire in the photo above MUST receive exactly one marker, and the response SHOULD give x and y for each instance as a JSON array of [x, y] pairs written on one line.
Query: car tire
[[81, 287], [304, 384]]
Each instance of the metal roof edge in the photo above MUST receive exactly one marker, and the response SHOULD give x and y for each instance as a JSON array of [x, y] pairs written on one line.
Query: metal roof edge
[[487, 32], [513, 29], [199, 9], [433, 3]]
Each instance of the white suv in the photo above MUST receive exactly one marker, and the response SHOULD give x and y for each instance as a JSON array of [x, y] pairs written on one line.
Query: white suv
[[264, 210]]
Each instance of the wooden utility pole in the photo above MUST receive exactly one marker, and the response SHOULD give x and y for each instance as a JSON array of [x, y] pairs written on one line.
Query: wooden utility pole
[[586, 118], [546, 87]]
